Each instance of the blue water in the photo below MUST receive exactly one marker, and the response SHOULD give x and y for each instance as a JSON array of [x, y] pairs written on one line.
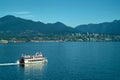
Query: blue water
[[66, 61]]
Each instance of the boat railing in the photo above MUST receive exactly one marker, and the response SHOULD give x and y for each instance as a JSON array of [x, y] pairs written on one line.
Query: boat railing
[[37, 55]]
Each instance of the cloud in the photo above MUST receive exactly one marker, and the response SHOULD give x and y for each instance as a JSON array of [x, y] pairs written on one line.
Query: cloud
[[22, 13]]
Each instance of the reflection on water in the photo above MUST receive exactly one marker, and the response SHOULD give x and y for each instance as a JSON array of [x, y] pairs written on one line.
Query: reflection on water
[[37, 66], [33, 70]]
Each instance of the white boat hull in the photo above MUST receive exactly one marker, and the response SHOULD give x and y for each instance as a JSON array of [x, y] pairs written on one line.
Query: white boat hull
[[31, 62]]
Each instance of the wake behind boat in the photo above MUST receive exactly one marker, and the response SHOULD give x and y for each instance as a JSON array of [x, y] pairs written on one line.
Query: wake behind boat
[[29, 59], [8, 64]]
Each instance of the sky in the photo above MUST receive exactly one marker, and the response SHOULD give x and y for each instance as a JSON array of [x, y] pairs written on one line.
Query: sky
[[70, 12]]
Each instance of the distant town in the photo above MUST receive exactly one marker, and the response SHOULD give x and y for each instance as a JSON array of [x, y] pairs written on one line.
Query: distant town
[[74, 37]]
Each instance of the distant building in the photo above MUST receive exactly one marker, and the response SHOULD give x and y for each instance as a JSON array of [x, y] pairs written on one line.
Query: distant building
[[3, 41]]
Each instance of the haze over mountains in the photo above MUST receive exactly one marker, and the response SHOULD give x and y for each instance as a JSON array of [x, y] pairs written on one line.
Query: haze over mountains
[[15, 24]]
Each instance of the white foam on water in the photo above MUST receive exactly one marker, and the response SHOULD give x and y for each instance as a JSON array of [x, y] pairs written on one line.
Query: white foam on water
[[8, 64]]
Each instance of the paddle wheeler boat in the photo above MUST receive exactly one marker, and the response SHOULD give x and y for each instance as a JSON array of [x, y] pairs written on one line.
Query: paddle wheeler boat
[[29, 59]]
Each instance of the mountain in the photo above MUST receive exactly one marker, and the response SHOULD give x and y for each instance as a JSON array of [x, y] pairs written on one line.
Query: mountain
[[104, 28], [16, 24]]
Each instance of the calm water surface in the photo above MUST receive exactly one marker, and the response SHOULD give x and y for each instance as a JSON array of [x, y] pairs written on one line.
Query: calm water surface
[[66, 61]]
